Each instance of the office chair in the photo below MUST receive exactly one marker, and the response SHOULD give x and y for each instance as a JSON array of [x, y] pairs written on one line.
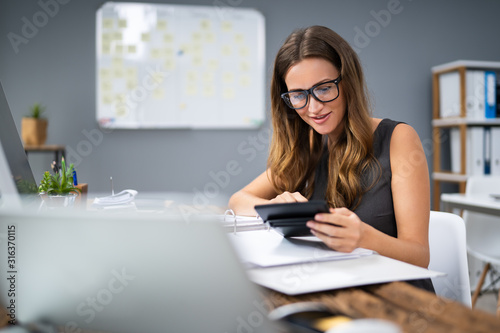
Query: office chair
[[483, 231], [448, 254]]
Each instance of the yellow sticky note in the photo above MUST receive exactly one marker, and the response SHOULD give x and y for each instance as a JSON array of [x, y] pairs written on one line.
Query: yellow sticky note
[[161, 25], [245, 81], [196, 48], [208, 77], [228, 93], [158, 77], [191, 76], [118, 48], [132, 49], [208, 90], [244, 66], [226, 26], [107, 38], [168, 52], [209, 38], [105, 73], [159, 93], [196, 37], [244, 51], [106, 48], [117, 62], [191, 90], [106, 86], [239, 38], [131, 72], [205, 24], [156, 53], [121, 110], [226, 50], [117, 35], [122, 23], [169, 64], [131, 84], [227, 77], [118, 73], [213, 64], [185, 48], [107, 99], [107, 23], [168, 38], [120, 98], [197, 61], [145, 37]]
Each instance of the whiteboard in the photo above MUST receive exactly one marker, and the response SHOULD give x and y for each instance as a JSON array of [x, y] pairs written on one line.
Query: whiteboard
[[179, 66]]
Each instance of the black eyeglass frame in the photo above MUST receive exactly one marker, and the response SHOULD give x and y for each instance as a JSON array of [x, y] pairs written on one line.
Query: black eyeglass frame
[[310, 91]]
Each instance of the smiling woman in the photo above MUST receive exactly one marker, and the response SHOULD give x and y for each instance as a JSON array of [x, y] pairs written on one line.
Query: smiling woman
[[326, 146]]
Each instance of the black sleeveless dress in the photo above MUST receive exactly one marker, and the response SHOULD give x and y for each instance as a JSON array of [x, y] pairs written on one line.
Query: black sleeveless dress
[[376, 207]]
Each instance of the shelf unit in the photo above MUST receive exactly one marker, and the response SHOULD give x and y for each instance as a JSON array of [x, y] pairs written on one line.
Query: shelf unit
[[461, 122]]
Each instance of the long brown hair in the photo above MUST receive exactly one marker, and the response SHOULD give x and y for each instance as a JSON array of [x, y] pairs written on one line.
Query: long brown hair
[[296, 148]]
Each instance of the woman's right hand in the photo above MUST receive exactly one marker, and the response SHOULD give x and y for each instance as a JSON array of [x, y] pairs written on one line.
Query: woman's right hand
[[288, 197]]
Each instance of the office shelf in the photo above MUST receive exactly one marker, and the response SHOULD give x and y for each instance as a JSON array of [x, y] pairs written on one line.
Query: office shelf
[[460, 121]]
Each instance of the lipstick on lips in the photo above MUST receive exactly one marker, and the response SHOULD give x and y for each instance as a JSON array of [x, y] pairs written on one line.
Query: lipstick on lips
[[321, 118]]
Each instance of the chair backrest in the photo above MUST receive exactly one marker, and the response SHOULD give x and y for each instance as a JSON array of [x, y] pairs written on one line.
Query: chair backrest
[[448, 254], [483, 231]]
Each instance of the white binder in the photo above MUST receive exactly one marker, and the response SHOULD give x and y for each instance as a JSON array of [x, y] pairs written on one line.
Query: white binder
[[455, 150], [475, 150], [449, 95], [495, 151]]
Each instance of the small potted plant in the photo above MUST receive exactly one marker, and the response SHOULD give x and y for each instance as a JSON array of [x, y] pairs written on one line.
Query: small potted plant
[[58, 188], [34, 126]]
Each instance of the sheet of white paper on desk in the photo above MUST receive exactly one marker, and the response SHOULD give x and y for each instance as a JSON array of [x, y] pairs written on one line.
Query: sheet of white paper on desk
[[266, 248], [335, 274], [122, 198]]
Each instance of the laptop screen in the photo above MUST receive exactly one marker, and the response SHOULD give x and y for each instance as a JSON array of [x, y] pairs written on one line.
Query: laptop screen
[[13, 151], [127, 273]]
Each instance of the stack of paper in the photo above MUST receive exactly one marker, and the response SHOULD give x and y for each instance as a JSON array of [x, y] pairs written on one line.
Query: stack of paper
[[266, 248]]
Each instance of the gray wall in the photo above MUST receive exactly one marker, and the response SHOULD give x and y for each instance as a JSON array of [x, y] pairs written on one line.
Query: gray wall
[[57, 68]]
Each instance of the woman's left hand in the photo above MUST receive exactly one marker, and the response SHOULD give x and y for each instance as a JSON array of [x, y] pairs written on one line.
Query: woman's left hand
[[341, 229]]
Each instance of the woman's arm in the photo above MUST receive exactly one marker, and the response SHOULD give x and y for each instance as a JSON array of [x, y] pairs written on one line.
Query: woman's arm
[[259, 192], [344, 231]]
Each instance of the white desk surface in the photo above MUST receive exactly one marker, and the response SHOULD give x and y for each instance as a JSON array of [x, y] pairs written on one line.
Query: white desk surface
[[481, 203]]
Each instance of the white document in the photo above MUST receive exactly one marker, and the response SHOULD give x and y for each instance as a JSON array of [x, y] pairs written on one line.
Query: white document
[[266, 248], [327, 275]]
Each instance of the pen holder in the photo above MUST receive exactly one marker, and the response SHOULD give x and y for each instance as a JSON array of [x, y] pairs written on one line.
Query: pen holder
[[81, 200]]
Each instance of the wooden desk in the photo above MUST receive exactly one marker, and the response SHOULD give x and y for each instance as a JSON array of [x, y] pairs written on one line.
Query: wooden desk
[[58, 150], [413, 309], [478, 203]]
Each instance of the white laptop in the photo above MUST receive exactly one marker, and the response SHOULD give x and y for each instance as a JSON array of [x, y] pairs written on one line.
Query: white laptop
[[125, 273]]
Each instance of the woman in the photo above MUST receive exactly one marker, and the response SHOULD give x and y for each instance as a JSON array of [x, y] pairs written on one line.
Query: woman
[[372, 172]]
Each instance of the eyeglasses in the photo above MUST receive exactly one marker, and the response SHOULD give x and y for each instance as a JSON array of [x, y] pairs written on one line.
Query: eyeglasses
[[323, 92]]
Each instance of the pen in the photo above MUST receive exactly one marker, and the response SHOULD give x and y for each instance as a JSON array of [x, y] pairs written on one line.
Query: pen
[[112, 190], [75, 180]]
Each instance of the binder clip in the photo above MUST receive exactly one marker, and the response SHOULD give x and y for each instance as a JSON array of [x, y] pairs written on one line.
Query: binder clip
[[229, 213]]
